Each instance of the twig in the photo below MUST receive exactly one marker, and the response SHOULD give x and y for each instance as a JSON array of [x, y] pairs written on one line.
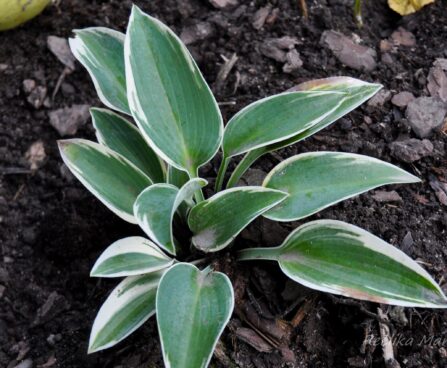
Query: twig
[[387, 342], [303, 6]]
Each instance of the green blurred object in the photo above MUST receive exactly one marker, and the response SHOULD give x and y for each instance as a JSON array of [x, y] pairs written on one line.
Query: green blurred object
[[15, 12]]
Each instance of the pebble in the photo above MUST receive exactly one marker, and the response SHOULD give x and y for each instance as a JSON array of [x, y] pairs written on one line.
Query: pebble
[[35, 155], [277, 48], [260, 17], [425, 115], [293, 61], [27, 363], [411, 150], [402, 99], [60, 48], [349, 53], [54, 305], [223, 4], [380, 98], [253, 177], [402, 37], [68, 119], [437, 79], [407, 242], [385, 196], [197, 32]]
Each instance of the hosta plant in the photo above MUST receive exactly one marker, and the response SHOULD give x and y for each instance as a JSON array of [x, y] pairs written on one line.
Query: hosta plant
[[145, 168]]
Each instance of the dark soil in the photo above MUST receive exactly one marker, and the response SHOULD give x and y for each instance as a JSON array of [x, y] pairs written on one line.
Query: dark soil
[[52, 229]]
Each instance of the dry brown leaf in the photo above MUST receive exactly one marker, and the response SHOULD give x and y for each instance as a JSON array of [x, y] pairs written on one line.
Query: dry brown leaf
[[405, 7]]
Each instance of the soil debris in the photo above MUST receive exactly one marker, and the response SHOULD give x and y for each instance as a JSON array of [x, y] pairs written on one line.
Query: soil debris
[[411, 150], [402, 99], [349, 53], [224, 4], [68, 119], [59, 47], [425, 115], [440, 189], [197, 32], [260, 17], [380, 98], [385, 196], [437, 79], [36, 155], [402, 37]]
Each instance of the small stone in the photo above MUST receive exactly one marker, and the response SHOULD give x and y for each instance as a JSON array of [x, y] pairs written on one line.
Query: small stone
[[402, 99], [411, 150], [437, 79], [60, 48], [261, 16], [3, 67], [293, 61], [440, 189], [54, 305], [28, 85], [68, 119], [384, 196], [7, 259], [402, 37], [407, 242], [385, 46], [425, 115], [224, 4], [197, 32], [278, 48], [54, 339], [380, 98], [387, 59], [253, 177], [349, 53], [27, 363], [37, 97], [35, 156]]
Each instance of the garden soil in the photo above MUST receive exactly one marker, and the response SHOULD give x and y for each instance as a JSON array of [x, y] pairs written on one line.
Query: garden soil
[[52, 229]]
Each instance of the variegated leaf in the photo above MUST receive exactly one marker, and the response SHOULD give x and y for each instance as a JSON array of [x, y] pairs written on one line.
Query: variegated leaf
[[218, 220], [193, 308], [339, 258], [316, 180], [168, 96], [155, 208], [129, 257], [129, 305], [101, 51], [124, 138], [114, 180]]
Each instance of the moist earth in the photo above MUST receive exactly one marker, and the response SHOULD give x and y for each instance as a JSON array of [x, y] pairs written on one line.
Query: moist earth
[[52, 229]]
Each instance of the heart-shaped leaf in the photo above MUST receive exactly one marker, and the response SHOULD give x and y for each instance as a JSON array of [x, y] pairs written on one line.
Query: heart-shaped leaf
[[155, 208], [124, 138], [317, 180], [356, 92], [169, 98], [129, 305], [114, 180], [277, 118], [101, 51], [193, 308], [129, 257], [339, 258], [218, 220]]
